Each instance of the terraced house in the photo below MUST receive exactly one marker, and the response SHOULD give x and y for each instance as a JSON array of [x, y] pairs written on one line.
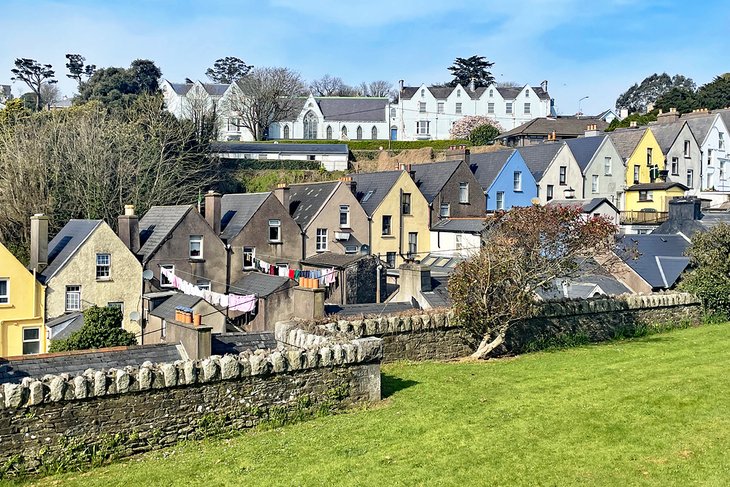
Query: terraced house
[[681, 152], [602, 167], [505, 179], [556, 172]]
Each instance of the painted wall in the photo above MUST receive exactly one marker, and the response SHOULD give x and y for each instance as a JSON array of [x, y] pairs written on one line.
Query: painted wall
[[610, 183], [639, 158], [659, 201], [551, 176], [685, 162], [504, 182], [715, 169], [450, 194], [446, 244], [25, 308]]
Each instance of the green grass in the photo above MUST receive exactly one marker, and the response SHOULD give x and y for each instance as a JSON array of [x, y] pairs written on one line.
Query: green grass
[[651, 411]]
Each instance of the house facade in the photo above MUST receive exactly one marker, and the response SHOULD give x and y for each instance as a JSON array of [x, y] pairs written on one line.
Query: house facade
[[540, 130], [332, 157], [681, 152], [460, 237], [22, 308], [555, 170], [602, 168], [504, 178], [712, 136]]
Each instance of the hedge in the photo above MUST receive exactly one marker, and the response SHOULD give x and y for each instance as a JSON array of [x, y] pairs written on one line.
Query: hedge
[[377, 144]]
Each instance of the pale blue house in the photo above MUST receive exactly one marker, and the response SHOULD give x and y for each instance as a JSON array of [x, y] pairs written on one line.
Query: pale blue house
[[505, 178]]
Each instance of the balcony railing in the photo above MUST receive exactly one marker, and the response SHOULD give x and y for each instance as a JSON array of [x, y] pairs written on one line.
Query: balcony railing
[[644, 217]]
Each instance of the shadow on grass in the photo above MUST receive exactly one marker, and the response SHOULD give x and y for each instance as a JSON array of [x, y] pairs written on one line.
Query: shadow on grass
[[389, 385]]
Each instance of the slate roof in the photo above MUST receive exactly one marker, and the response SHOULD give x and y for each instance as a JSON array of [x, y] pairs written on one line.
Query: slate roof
[[329, 259], [236, 211], [306, 200], [215, 89], [538, 157], [725, 115], [181, 88], [370, 309], [271, 148], [65, 244], [563, 127], [443, 92], [587, 205], [583, 287], [431, 178], [677, 223], [156, 225], [262, 285], [657, 186], [660, 259], [584, 148], [372, 187], [701, 126], [438, 296], [465, 225], [235, 343], [441, 265], [166, 310], [626, 140], [666, 133], [345, 108], [75, 363], [65, 325], [486, 166]]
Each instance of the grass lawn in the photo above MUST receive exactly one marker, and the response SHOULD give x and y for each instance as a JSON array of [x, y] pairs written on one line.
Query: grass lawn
[[652, 411]]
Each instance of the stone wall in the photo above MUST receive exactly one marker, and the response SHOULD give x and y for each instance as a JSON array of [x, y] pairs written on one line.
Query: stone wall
[[65, 422]]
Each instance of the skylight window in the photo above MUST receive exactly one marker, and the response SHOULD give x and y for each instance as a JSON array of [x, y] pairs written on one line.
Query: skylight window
[[367, 196]]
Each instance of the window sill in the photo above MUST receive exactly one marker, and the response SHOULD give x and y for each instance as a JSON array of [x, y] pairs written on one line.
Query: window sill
[[196, 259], [387, 236], [6, 306], [275, 242], [345, 227]]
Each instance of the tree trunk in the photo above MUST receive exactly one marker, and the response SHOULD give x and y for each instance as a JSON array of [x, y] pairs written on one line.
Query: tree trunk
[[488, 345]]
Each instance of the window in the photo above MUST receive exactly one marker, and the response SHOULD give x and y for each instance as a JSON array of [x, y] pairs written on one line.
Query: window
[[310, 125], [720, 140], [286, 132], [527, 108], [249, 254], [491, 93], [367, 196], [329, 132], [321, 243], [31, 341], [344, 132], [675, 166], [163, 280], [686, 148], [392, 113], [421, 107], [594, 184], [311, 157], [274, 230], [517, 181], [458, 108], [440, 107], [464, 193], [607, 169], [374, 133], [390, 259], [500, 200], [527, 93], [358, 133], [563, 175], [445, 210], [116, 304], [350, 249], [73, 298], [196, 246], [406, 203], [423, 92], [387, 220], [648, 156], [549, 192], [490, 107], [459, 241], [508, 108], [645, 195], [637, 170], [690, 178], [412, 244], [422, 127], [458, 93], [709, 157], [4, 291], [344, 216], [103, 267]]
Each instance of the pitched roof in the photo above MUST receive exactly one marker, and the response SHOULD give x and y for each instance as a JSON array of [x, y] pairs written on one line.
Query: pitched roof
[[181, 88], [365, 310], [261, 285], [431, 178], [372, 187], [587, 205], [725, 115], [657, 186], [582, 287], [156, 225], [278, 148], [235, 343], [626, 140], [465, 225], [438, 296], [487, 166], [65, 244], [306, 200], [330, 259], [237, 209], [166, 310], [215, 89], [659, 259], [539, 156], [584, 148], [63, 326], [701, 126], [443, 92], [345, 108], [666, 133], [562, 126]]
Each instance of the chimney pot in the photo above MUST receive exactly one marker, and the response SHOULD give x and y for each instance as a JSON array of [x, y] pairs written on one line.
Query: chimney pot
[[633, 124], [129, 210], [213, 210]]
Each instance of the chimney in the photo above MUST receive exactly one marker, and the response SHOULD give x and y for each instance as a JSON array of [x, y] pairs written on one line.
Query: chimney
[[128, 225], [671, 116], [213, 210], [38, 242], [623, 113], [415, 279], [458, 153], [633, 124], [282, 192], [591, 130], [685, 209], [400, 85], [472, 84], [543, 85], [347, 181]]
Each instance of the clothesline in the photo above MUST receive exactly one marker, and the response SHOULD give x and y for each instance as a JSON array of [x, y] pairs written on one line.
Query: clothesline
[[325, 277], [233, 302]]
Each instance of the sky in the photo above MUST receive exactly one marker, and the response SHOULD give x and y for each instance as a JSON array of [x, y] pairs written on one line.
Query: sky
[[583, 48]]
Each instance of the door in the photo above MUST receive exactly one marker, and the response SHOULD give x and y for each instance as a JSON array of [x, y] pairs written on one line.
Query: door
[[393, 133]]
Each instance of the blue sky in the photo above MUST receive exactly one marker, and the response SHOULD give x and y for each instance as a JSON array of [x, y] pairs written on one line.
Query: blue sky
[[582, 47]]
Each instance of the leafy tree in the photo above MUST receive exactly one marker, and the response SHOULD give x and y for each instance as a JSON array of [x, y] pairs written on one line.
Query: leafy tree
[[523, 250], [119, 87], [484, 135], [333, 86], [638, 97], [634, 117], [474, 68], [33, 74], [463, 127], [77, 69], [716, 93], [682, 99], [228, 70], [102, 328], [709, 278], [146, 75], [14, 110]]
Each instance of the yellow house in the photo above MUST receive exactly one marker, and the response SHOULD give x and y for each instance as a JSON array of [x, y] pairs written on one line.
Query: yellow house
[[22, 297], [398, 215]]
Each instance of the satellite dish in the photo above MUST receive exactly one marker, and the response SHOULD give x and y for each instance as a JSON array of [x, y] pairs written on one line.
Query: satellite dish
[[134, 316], [365, 249], [147, 275]]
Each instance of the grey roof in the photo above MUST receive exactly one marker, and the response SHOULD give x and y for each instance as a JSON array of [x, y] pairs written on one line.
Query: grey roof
[[438, 296], [666, 133], [277, 148], [431, 178], [626, 140], [657, 186], [539, 156], [235, 343], [443, 92], [259, 284], [584, 148], [587, 205], [660, 258], [441, 265], [166, 310], [689, 223], [306, 200], [65, 244], [701, 125], [372, 188], [236, 211], [346, 108], [486, 166], [156, 225], [63, 326], [562, 126], [725, 115], [75, 363], [329, 259], [181, 88], [365, 310], [215, 89], [462, 225], [583, 287]]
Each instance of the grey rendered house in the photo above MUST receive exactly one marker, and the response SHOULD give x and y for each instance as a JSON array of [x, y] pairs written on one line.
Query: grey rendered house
[[682, 153], [330, 217], [555, 170], [602, 166]]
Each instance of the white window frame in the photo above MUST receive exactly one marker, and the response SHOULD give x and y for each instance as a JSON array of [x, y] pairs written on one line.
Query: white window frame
[[720, 140], [445, 210], [457, 108], [594, 184], [690, 178], [675, 166], [527, 109], [320, 244], [5, 298], [275, 223], [250, 252], [490, 107], [463, 193], [607, 166], [421, 107], [72, 291], [459, 241], [412, 244], [203, 284], [687, 148], [517, 181], [101, 267], [169, 267], [499, 200], [345, 210], [508, 108], [440, 107], [422, 127], [195, 239], [32, 341]]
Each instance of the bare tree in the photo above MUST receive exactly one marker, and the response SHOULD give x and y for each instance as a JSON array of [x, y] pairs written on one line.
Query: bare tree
[[265, 96], [380, 88], [50, 94], [33, 74], [331, 86], [203, 112], [363, 89]]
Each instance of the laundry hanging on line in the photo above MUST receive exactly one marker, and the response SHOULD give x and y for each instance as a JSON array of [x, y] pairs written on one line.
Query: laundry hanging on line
[[233, 302]]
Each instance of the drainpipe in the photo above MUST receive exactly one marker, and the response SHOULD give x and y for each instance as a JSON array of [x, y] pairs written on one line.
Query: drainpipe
[[400, 229]]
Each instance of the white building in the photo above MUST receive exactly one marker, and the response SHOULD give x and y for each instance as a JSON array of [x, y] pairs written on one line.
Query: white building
[[712, 136], [425, 112]]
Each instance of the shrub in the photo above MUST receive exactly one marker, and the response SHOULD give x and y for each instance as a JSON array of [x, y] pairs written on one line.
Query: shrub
[[463, 127], [102, 328], [483, 135], [710, 277]]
